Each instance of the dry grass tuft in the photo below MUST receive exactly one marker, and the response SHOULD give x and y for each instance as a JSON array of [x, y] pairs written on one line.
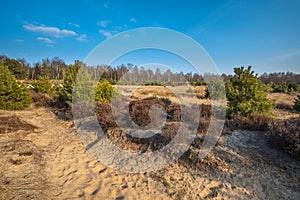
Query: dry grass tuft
[[283, 100]]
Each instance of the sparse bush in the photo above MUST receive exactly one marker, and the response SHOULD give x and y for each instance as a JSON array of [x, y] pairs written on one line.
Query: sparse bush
[[13, 95], [247, 94], [297, 104], [285, 87], [44, 86]]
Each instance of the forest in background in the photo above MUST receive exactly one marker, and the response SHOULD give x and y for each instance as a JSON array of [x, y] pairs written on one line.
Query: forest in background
[[129, 74]]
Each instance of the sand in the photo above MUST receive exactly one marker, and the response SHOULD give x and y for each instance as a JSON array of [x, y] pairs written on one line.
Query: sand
[[50, 162]]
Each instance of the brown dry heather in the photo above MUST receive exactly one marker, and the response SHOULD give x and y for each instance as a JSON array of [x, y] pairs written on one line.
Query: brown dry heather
[[286, 135]]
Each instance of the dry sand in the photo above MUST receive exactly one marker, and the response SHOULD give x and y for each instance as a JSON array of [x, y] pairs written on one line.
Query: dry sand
[[50, 162]]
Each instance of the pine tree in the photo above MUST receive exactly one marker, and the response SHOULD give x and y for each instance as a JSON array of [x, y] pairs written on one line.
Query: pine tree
[[105, 91], [13, 95], [68, 84], [84, 89], [16, 68], [43, 85], [246, 94]]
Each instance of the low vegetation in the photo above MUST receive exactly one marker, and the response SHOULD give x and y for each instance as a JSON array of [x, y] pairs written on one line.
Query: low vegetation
[[297, 104], [247, 94], [286, 135]]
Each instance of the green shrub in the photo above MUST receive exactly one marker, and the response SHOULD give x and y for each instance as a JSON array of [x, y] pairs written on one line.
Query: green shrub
[[293, 87], [66, 93], [105, 91], [246, 94], [13, 95], [215, 89], [44, 86], [285, 87], [84, 89], [297, 104]]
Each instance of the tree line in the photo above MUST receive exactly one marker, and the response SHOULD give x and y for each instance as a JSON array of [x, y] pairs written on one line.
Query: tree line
[[54, 69]]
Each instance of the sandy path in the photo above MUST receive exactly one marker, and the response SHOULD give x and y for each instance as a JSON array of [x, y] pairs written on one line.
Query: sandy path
[[73, 173], [60, 168]]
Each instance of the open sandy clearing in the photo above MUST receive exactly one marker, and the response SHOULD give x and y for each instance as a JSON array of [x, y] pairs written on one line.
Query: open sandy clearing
[[48, 161]]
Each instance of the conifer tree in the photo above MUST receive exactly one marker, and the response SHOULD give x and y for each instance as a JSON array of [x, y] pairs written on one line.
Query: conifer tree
[[43, 85], [69, 83], [246, 94], [13, 94]]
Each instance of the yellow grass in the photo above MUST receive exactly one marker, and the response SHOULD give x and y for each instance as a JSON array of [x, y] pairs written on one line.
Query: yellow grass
[[187, 94]]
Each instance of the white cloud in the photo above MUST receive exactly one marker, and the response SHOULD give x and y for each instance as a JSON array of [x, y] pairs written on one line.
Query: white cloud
[[103, 23], [47, 30], [75, 25], [133, 20], [105, 33], [19, 40], [82, 38], [46, 40]]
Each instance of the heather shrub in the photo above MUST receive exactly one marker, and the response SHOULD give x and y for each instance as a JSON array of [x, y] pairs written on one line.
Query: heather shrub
[[42, 99], [287, 131], [297, 104], [254, 122]]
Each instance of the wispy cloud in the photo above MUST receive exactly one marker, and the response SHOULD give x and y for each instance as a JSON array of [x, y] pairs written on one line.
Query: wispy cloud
[[46, 40], [47, 30], [286, 56], [105, 5], [105, 33], [133, 20], [82, 38], [73, 24], [103, 23], [19, 40]]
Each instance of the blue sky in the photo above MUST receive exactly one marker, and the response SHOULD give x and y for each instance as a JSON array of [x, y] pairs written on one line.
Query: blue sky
[[264, 34]]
